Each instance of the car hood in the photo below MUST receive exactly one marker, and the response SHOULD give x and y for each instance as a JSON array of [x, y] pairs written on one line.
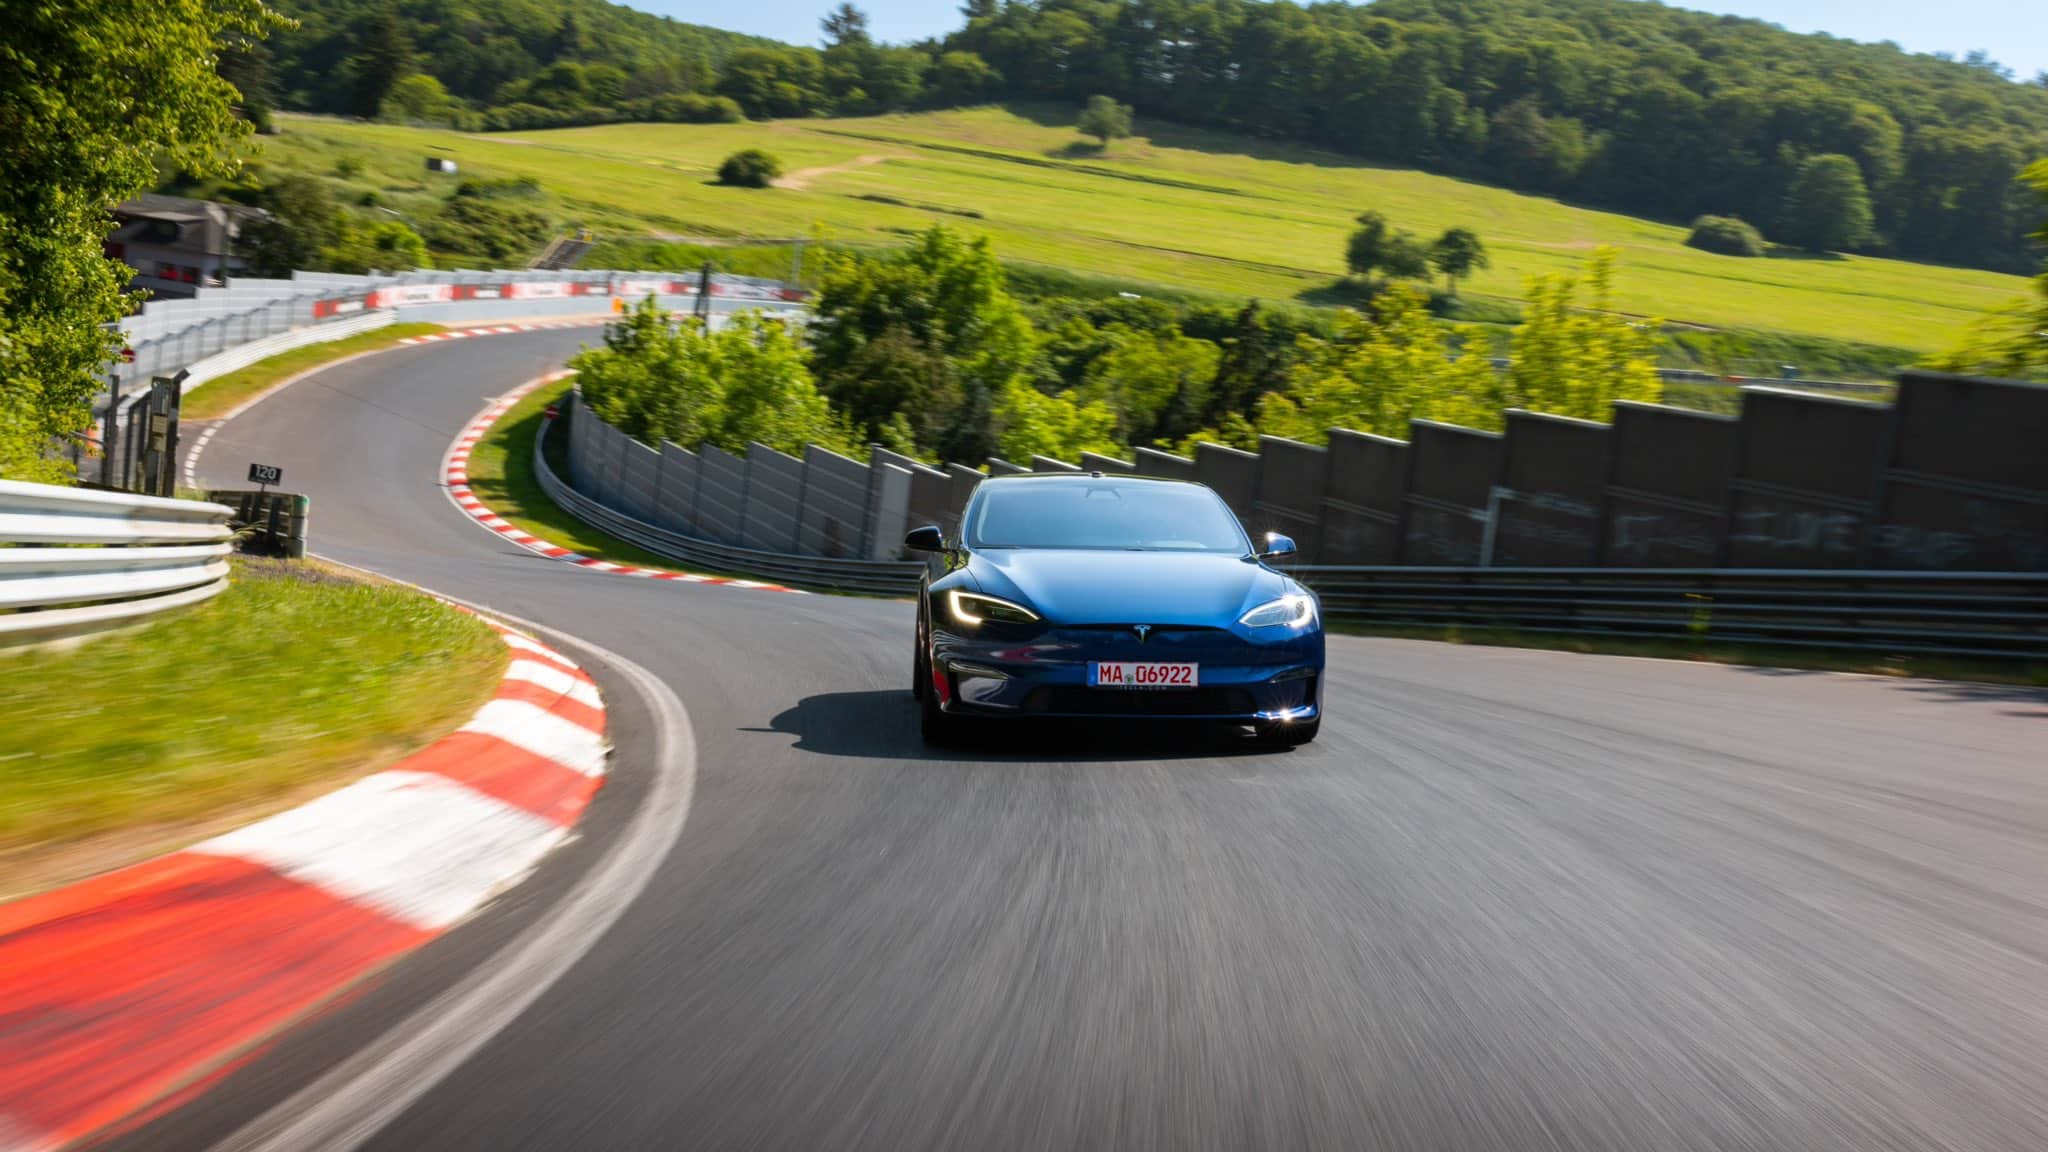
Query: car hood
[[1088, 586]]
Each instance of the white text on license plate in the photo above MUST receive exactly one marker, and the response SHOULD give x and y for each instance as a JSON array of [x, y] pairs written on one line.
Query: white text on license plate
[[1123, 674]]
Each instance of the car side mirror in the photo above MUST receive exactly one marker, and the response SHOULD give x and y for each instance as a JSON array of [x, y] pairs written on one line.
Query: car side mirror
[[1277, 546], [925, 539]]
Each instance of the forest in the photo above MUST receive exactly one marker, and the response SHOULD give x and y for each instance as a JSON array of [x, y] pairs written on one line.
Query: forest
[[1655, 111]]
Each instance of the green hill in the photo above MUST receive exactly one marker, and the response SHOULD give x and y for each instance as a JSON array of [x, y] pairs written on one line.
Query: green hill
[[1217, 213]]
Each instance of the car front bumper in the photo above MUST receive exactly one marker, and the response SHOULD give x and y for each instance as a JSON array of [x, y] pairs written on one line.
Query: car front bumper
[[1245, 677]]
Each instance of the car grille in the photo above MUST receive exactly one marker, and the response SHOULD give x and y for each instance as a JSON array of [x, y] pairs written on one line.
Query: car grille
[[1079, 701]]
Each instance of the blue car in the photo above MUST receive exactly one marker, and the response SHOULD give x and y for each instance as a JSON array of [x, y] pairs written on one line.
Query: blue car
[[1120, 597]]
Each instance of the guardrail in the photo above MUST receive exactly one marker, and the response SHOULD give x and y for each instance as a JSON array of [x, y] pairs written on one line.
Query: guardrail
[[242, 355], [840, 574], [74, 561], [1981, 614]]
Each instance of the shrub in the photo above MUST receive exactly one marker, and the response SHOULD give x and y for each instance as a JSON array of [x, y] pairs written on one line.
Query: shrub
[[1725, 236], [749, 168]]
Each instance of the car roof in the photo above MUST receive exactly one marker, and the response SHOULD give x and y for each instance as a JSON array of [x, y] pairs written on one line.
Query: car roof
[[1083, 477]]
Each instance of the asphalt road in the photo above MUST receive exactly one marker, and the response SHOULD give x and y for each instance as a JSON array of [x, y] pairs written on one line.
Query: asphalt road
[[1509, 900]]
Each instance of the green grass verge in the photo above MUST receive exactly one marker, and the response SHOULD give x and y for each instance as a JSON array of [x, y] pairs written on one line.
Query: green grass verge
[[298, 676], [1204, 211], [1711, 652], [219, 397], [501, 474]]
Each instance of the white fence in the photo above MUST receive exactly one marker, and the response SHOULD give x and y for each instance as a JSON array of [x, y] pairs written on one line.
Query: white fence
[[242, 355], [75, 561]]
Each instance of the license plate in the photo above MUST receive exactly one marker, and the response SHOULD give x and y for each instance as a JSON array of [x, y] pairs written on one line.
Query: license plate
[[1123, 674]]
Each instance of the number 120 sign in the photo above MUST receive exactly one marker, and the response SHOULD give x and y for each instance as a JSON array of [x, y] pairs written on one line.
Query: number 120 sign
[[265, 474]]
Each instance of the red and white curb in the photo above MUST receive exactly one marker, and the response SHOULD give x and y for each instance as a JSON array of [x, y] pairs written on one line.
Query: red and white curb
[[502, 329], [124, 992], [455, 472]]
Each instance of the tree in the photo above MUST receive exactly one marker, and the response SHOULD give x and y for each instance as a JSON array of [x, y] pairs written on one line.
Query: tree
[[1572, 362], [1384, 369], [416, 99], [1060, 427], [1456, 254], [845, 24], [1827, 208], [1377, 249], [749, 168], [1143, 372], [2013, 341], [662, 377], [383, 57], [94, 96], [302, 222], [937, 297], [1105, 119], [769, 82], [963, 78]]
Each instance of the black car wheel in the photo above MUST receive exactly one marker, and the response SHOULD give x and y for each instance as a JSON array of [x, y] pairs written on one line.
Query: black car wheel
[[1287, 735]]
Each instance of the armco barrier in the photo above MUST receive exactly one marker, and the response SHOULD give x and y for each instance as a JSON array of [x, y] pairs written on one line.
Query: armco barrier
[[223, 328], [81, 561], [1966, 614], [242, 355], [889, 578]]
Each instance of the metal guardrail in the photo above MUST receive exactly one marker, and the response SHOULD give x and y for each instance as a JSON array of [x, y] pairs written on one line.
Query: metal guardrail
[[840, 574], [1981, 614], [75, 561]]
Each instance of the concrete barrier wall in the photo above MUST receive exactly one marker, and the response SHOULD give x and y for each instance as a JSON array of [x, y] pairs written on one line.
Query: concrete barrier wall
[[1444, 512], [1361, 516], [1953, 478], [1552, 484], [721, 494], [834, 506], [1287, 496], [931, 491], [1667, 486], [1107, 465], [1965, 484], [639, 474], [675, 505], [775, 494], [1805, 478], [1165, 465], [1233, 474]]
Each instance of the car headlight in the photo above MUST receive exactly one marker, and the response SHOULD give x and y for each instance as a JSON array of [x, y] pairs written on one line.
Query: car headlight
[[973, 608], [1295, 610]]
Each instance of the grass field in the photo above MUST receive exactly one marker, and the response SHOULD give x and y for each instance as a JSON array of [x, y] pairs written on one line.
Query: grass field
[[219, 397], [299, 675], [1173, 206]]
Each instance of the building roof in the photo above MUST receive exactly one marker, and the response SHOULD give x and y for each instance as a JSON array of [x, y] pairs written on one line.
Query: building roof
[[203, 225]]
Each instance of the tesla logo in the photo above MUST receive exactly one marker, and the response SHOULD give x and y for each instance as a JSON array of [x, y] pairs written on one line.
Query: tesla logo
[[1143, 630]]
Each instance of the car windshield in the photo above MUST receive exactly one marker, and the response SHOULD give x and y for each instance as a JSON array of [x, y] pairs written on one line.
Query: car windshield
[[1128, 514]]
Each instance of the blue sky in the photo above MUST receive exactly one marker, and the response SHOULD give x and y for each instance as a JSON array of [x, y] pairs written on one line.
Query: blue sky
[[2014, 32]]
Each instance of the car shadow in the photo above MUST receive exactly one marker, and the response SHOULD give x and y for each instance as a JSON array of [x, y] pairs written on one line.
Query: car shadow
[[883, 724]]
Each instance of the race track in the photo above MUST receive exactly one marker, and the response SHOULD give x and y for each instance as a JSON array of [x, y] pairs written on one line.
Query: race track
[[1509, 901]]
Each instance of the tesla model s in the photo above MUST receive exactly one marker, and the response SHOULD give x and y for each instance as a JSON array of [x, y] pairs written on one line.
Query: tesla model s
[[1119, 597]]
